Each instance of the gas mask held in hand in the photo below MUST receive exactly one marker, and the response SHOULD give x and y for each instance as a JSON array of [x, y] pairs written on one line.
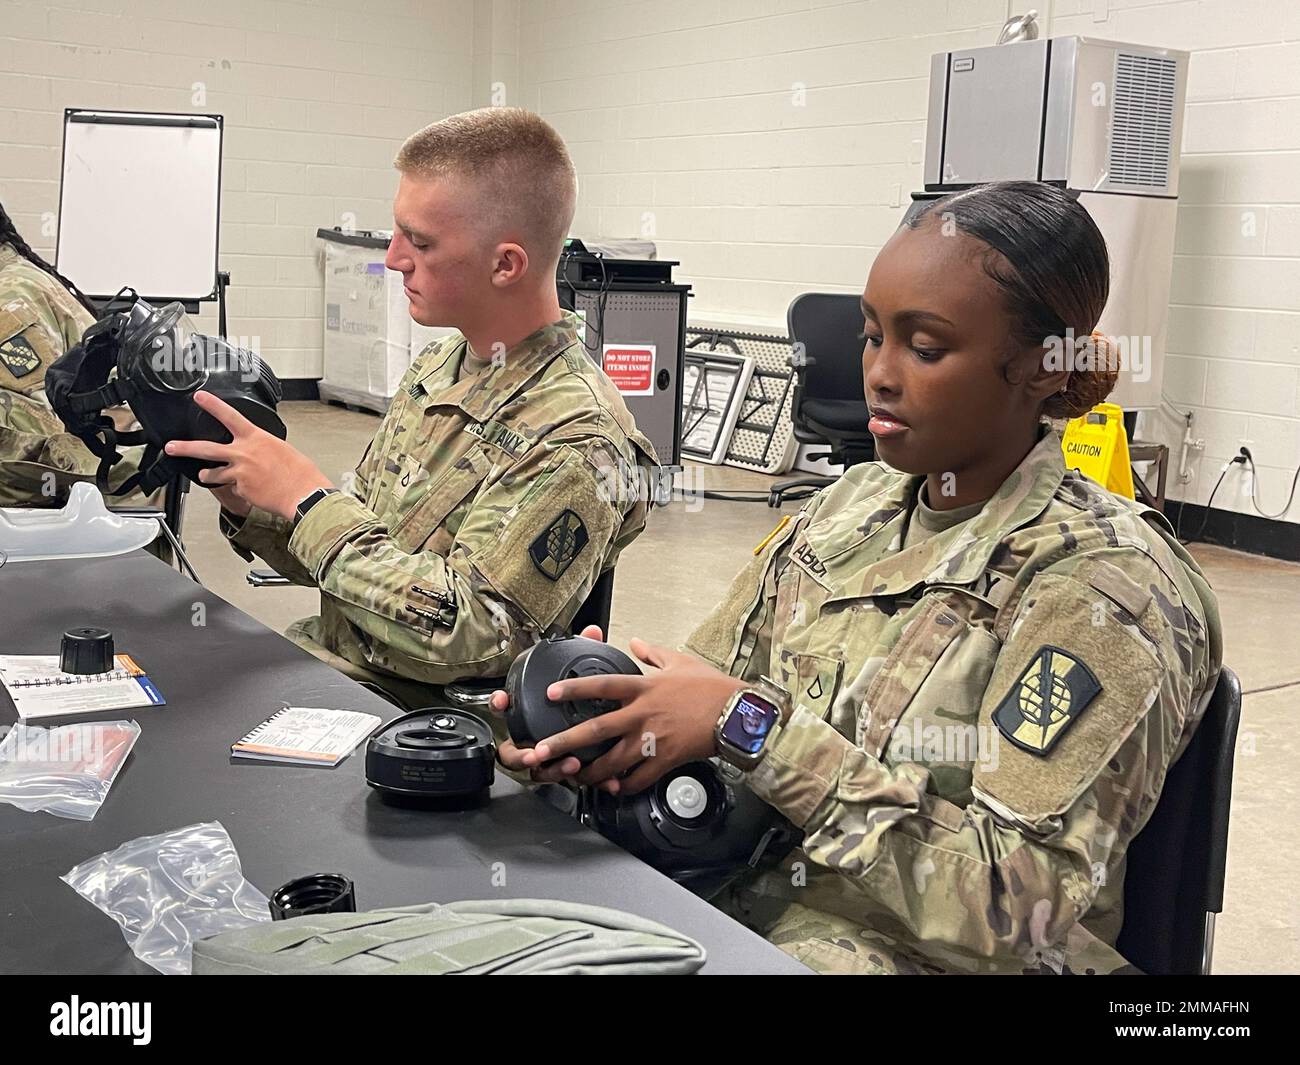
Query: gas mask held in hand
[[699, 823], [153, 360]]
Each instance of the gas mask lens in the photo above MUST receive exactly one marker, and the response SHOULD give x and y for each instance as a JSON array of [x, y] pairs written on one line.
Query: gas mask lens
[[171, 360]]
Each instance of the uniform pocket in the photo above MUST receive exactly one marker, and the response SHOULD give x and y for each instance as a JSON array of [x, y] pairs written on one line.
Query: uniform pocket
[[814, 681], [939, 728], [922, 642], [444, 495]]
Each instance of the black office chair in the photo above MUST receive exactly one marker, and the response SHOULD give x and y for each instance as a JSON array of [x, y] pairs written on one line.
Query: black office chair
[[596, 607], [1173, 882], [829, 406]]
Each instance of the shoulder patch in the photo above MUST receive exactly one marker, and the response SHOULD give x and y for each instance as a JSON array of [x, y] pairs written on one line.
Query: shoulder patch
[[19, 356], [1046, 699], [558, 545]]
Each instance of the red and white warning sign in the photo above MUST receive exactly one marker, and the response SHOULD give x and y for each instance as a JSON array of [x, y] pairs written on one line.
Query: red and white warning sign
[[631, 367]]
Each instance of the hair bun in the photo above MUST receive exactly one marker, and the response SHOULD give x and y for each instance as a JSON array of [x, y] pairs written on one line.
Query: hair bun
[[1097, 360]]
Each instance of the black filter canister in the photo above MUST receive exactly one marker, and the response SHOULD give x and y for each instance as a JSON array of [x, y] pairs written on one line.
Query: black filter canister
[[439, 755], [318, 893], [532, 717], [86, 650]]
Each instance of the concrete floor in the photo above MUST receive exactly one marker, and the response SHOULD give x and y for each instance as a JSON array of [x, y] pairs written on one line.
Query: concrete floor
[[686, 558]]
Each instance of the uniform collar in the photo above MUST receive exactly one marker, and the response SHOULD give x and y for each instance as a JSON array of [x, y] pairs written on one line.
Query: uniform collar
[[955, 556], [481, 395], [8, 254]]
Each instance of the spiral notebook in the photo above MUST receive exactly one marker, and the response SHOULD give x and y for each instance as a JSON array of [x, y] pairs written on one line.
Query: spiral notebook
[[39, 688], [304, 735]]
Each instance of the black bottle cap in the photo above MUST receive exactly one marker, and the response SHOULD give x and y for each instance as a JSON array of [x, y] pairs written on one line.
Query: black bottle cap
[[86, 650], [318, 893]]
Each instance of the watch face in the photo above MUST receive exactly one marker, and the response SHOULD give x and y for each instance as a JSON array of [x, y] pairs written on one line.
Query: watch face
[[749, 723]]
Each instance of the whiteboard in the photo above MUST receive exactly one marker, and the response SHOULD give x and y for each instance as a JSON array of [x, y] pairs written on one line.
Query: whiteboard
[[140, 203]]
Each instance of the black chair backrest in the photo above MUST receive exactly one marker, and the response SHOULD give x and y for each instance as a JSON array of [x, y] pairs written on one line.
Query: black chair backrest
[[1176, 864], [595, 609], [829, 326]]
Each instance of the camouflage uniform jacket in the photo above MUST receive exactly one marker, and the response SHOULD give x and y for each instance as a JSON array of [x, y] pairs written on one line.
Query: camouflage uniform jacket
[[39, 458], [482, 514], [982, 723]]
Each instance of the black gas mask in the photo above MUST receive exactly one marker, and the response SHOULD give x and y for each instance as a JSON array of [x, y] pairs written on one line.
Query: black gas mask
[[700, 824], [152, 360]]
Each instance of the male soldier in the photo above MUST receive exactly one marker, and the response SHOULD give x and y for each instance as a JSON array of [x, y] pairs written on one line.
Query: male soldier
[[41, 315], [503, 480]]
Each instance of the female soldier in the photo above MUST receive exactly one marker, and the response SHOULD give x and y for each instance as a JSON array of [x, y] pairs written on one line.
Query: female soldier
[[992, 662], [42, 314]]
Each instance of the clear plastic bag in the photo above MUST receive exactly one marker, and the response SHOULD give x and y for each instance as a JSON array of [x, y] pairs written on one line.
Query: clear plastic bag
[[66, 771], [167, 891]]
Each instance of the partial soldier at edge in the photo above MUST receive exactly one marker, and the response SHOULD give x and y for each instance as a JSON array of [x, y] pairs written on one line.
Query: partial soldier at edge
[[42, 315]]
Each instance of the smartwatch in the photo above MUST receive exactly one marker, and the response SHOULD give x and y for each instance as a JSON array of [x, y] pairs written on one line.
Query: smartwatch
[[748, 720], [308, 501]]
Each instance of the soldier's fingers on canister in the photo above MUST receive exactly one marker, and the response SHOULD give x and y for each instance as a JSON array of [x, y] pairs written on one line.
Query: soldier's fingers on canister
[[200, 449], [608, 686], [643, 776], [499, 701], [614, 762], [558, 772], [592, 632], [594, 730], [652, 654], [511, 756], [224, 413]]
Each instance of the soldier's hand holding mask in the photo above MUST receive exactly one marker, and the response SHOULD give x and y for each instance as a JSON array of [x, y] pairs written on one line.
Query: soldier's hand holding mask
[[260, 469], [666, 720]]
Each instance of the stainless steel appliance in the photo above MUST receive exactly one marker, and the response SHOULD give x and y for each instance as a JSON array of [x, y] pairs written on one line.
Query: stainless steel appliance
[[1099, 118]]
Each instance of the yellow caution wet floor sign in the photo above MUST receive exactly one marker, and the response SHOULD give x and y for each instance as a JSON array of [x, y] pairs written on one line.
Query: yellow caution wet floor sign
[[1096, 445]]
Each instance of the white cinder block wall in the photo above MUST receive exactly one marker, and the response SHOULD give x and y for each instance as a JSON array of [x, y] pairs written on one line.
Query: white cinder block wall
[[317, 97], [770, 145]]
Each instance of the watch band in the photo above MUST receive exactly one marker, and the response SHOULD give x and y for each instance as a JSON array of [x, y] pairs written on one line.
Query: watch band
[[308, 501], [779, 695]]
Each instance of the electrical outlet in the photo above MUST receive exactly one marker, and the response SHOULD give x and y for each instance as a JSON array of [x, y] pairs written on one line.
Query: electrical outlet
[[1246, 483]]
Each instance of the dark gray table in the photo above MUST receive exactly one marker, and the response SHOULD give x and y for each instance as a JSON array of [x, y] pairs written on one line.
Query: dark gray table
[[220, 680]]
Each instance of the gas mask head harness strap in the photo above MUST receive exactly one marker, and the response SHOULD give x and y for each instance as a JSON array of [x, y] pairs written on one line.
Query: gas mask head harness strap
[[153, 360]]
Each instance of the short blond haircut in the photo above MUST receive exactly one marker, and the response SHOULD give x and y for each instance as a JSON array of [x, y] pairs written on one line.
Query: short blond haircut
[[515, 159]]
